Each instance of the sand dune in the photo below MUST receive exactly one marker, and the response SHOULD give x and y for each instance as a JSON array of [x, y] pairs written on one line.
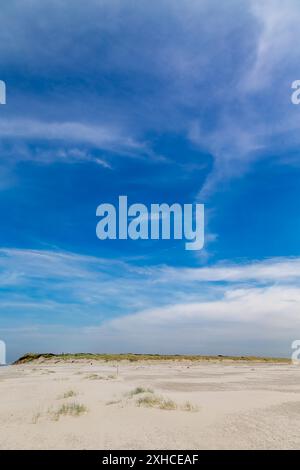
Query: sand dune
[[153, 405]]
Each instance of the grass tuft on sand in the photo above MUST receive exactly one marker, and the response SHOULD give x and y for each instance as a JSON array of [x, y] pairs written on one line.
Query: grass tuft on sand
[[188, 406], [113, 402], [68, 394], [154, 401], [36, 417], [100, 377], [94, 377], [140, 390], [69, 409]]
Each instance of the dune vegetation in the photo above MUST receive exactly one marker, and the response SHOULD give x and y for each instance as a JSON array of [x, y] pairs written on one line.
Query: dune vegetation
[[131, 357]]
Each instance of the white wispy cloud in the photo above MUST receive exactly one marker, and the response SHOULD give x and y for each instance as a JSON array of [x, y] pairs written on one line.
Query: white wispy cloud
[[262, 321], [117, 304], [218, 74], [252, 313], [100, 136], [270, 270], [279, 24], [254, 110]]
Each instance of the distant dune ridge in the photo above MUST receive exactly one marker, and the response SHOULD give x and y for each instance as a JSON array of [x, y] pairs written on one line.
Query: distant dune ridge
[[132, 357]]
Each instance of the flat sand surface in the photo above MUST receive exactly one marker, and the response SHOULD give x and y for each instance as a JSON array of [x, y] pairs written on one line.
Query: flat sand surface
[[225, 405]]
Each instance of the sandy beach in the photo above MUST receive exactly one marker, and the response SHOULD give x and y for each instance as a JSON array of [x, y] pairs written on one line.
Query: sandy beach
[[153, 405]]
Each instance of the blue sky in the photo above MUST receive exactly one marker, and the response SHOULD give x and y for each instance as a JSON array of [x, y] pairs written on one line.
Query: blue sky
[[164, 101]]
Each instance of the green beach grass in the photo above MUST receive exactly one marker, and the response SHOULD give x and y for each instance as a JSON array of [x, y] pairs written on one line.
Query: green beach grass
[[30, 357]]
